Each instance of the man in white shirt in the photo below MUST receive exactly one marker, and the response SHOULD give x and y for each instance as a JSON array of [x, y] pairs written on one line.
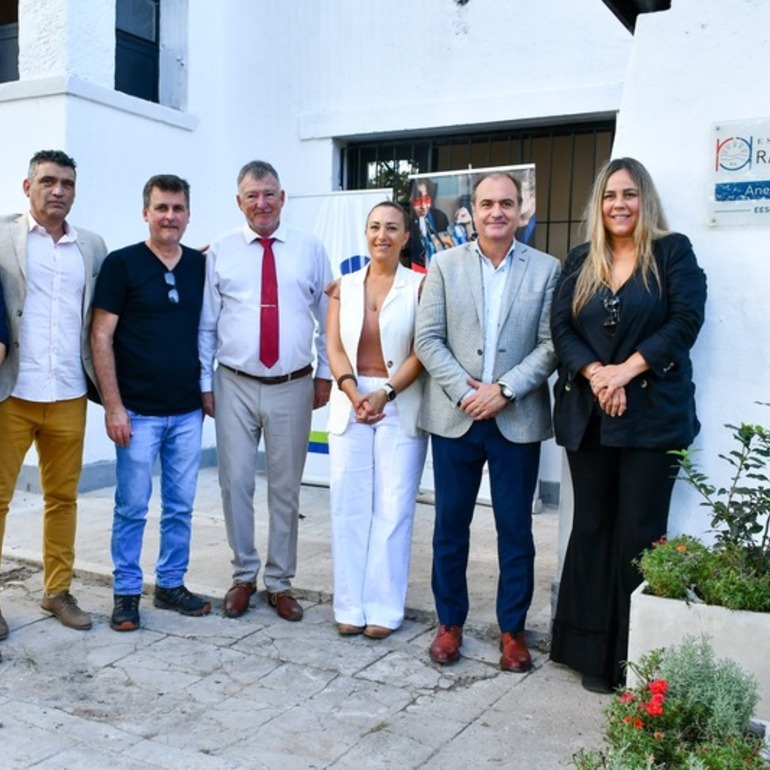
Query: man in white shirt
[[48, 270], [483, 334], [263, 306]]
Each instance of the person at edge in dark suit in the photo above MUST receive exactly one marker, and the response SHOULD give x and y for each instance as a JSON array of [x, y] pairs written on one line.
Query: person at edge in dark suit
[[626, 313], [483, 335], [48, 270]]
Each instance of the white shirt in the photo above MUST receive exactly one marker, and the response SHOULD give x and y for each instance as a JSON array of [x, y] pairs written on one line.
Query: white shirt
[[494, 280], [229, 327], [50, 364]]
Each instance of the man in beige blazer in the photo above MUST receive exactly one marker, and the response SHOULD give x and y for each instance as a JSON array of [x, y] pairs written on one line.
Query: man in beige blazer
[[48, 270], [483, 335]]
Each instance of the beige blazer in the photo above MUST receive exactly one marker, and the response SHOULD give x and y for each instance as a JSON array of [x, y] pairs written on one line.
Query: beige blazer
[[450, 341], [398, 316], [13, 273]]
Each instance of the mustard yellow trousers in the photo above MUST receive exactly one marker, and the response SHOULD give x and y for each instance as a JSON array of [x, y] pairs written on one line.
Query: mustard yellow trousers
[[57, 430]]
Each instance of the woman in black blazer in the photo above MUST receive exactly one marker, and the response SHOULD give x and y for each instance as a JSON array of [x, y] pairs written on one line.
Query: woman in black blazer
[[626, 311]]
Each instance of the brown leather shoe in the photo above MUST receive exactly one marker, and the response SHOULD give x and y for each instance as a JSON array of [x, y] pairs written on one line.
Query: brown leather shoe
[[446, 646], [237, 598], [377, 632], [515, 655], [65, 607], [285, 605]]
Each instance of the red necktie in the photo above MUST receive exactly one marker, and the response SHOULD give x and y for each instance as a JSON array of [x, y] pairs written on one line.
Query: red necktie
[[268, 323]]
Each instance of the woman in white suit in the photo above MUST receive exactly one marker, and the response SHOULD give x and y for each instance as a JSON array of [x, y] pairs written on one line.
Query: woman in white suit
[[376, 450]]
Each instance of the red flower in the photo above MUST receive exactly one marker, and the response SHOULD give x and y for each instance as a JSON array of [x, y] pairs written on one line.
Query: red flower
[[658, 698], [658, 686], [653, 709], [658, 735], [627, 697], [638, 724]]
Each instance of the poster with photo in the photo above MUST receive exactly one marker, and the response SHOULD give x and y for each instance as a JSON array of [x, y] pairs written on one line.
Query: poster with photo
[[441, 214]]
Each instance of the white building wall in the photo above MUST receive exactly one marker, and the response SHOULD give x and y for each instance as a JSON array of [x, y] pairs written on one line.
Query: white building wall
[[703, 62], [67, 38], [283, 81]]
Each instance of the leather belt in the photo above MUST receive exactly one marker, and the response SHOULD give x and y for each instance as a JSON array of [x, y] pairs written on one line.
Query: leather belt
[[279, 380]]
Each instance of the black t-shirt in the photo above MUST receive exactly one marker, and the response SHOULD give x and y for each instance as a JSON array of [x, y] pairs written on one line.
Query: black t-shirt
[[156, 339]]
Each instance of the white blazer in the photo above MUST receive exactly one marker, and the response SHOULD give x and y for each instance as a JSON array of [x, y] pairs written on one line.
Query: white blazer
[[398, 319]]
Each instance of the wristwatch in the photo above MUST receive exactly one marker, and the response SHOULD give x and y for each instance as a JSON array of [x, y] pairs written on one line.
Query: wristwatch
[[390, 390], [505, 389]]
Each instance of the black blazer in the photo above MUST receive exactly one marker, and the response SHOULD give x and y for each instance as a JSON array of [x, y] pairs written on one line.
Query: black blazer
[[662, 324]]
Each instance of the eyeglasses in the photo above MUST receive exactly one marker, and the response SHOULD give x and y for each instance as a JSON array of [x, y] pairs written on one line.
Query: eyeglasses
[[425, 200], [612, 306], [173, 294]]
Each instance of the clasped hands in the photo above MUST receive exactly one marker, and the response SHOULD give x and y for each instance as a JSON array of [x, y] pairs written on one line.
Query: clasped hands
[[485, 402], [608, 384], [370, 407]]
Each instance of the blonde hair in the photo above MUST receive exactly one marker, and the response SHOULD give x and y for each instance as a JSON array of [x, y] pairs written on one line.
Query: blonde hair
[[595, 272]]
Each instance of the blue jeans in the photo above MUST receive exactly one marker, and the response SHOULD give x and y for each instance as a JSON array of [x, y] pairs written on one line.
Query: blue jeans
[[176, 439]]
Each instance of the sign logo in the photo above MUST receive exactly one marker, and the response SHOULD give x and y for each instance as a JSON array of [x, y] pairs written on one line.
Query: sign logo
[[733, 153]]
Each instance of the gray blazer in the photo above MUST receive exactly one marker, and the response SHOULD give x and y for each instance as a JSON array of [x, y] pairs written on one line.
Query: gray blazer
[[450, 339], [13, 273]]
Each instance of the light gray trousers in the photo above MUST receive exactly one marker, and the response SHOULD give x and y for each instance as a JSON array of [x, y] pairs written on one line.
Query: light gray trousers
[[246, 410]]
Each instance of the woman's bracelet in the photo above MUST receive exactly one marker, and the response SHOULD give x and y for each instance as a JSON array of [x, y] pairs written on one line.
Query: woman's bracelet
[[344, 377]]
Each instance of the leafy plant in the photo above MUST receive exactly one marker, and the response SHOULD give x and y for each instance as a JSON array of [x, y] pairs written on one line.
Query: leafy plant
[[741, 511], [735, 572], [673, 568], [684, 568], [690, 711]]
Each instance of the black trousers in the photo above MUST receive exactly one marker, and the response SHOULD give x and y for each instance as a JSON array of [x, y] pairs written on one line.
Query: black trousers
[[622, 497]]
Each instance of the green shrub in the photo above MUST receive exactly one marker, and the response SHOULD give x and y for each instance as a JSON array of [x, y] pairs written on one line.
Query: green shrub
[[735, 572], [673, 568], [689, 712]]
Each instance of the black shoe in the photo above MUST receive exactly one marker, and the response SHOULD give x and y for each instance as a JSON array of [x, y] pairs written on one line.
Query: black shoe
[[180, 600], [125, 613], [597, 684]]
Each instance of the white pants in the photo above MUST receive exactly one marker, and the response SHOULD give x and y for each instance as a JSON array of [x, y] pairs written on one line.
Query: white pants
[[375, 475]]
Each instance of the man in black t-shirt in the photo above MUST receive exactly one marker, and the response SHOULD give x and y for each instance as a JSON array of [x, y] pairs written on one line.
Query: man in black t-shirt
[[145, 348]]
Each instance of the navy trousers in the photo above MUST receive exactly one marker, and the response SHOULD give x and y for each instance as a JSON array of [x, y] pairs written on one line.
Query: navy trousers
[[457, 467]]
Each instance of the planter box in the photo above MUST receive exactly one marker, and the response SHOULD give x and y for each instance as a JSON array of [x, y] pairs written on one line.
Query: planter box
[[742, 636]]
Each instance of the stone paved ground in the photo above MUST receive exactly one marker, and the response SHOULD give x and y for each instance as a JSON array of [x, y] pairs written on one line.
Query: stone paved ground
[[258, 692]]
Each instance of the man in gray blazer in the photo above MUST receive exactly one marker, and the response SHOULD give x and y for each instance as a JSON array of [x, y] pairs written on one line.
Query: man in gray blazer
[[48, 270], [483, 334]]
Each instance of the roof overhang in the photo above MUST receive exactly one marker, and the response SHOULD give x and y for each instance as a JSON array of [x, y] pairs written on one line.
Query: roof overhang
[[628, 10]]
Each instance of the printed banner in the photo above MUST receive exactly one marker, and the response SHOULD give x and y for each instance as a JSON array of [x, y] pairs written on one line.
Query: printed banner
[[441, 215], [339, 221]]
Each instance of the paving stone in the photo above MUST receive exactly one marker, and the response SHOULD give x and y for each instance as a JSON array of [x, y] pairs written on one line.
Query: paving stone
[[382, 748], [257, 692], [88, 758], [155, 755], [25, 745]]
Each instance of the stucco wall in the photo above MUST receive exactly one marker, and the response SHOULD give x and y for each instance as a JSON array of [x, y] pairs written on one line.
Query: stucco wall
[[703, 62], [284, 81]]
